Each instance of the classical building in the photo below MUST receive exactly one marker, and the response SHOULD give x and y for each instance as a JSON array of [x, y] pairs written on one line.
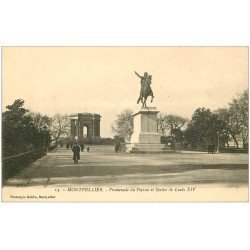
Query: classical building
[[85, 125]]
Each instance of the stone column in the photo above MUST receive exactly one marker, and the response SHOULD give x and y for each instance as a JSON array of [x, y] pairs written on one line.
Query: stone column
[[72, 128], [97, 127], [80, 136], [93, 127], [87, 127]]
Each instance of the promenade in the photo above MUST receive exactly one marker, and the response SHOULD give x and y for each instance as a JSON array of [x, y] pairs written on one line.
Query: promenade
[[102, 166]]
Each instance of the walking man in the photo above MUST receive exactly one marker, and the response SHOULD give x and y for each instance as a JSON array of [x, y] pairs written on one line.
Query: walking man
[[76, 151]]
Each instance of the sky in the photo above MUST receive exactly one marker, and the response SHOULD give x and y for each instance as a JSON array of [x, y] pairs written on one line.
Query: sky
[[101, 80]]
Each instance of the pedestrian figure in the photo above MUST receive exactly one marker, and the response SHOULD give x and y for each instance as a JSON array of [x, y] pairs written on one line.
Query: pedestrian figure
[[209, 148], [82, 147], [88, 149], [117, 147], [67, 145], [61, 144], [76, 151], [212, 148]]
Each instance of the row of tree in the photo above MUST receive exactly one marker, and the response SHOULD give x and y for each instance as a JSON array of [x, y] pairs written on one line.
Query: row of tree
[[206, 126], [26, 131]]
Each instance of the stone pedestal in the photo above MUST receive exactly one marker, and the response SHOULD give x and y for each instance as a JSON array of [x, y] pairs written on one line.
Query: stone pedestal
[[146, 138]]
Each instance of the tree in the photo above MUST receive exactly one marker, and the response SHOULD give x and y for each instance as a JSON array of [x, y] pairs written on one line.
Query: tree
[[123, 124], [59, 125], [171, 129], [20, 133], [232, 127], [238, 110], [41, 121], [170, 124], [205, 127], [236, 118]]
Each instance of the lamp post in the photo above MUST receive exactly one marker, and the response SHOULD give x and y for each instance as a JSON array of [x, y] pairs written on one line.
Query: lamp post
[[218, 140]]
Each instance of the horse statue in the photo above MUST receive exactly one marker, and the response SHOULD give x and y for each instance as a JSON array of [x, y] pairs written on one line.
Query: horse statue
[[146, 90]]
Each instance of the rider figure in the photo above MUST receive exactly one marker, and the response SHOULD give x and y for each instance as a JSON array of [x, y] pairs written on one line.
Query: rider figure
[[146, 79]]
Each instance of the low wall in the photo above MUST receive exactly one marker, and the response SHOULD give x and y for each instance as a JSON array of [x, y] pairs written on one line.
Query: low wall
[[14, 164]]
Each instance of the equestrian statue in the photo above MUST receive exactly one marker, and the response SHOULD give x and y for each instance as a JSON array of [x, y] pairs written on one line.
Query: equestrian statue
[[146, 90]]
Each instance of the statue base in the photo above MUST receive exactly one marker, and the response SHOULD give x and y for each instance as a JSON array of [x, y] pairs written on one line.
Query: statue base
[[146, 148], [146, 138]]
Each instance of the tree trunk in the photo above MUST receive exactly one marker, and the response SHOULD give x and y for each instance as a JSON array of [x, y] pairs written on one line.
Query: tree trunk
[[236, 142]]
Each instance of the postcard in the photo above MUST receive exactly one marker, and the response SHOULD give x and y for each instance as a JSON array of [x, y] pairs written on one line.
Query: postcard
[[125, 124]]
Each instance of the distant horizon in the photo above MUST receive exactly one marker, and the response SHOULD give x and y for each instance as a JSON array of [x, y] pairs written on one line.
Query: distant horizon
[[101, 80]]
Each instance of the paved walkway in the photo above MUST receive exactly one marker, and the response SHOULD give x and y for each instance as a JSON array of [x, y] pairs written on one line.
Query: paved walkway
[[102, 166]]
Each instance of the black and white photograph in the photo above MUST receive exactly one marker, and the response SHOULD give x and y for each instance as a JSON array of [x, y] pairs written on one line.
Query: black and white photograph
[[125, 124]]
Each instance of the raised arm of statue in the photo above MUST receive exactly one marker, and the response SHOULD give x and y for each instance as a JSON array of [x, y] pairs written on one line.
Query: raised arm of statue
[[138, 74], [150, 79]]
